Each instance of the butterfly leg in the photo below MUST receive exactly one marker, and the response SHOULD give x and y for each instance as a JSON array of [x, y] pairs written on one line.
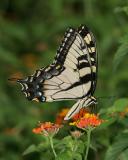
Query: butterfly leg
[[89, 101]]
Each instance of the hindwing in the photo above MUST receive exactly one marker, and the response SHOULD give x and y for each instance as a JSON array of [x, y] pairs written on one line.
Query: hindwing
[[90, 42]]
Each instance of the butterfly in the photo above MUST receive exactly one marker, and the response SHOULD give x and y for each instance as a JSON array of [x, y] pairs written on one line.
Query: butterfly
[[71, 76]]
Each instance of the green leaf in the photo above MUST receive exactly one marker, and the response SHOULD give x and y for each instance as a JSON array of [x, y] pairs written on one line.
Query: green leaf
[[119, 106], [8, 57], [77, 156], [67, 141], [30, 149], [122, 9], [43, 146], [65, 155], [107, 123], [121, 52], [81, 146], [117, 149], [124, 155]]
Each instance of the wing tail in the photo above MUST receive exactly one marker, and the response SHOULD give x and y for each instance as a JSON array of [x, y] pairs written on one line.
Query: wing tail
[[87, 102], [75, 109]]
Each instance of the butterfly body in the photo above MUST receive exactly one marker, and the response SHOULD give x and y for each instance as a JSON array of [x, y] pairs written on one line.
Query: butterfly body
[[71, 76]]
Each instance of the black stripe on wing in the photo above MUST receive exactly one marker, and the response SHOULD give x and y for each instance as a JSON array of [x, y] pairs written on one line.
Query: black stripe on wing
[[58, 64], [64, 46], [90, 42]]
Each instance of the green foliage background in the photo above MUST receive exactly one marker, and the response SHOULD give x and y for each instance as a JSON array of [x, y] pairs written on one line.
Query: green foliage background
[[30, 32]]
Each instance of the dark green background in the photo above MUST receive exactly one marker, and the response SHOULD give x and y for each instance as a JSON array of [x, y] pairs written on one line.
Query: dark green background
[[30, 33]]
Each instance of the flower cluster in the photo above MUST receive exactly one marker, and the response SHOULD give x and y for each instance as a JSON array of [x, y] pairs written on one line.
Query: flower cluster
[[81, 114], [88, 120], [47, 128], [60, 116], [120, 114]]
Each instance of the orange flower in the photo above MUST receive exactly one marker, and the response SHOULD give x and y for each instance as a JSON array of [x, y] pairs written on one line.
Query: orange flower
[[120, 114], [124, 113], [63, 112], [47, 128], [37, 130], [80, 114], [89, 120], [60, 116]]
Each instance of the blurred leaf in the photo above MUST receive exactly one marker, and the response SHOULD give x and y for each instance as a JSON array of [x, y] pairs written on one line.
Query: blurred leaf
[[121, 52], [14, 30], [124, 155], [77, 156], [8, 56], [67, 141], [45, 145], [119, 105], [80, 146], [122, 9], [30, 149], [65, 155], [107, 123], [118, 148]]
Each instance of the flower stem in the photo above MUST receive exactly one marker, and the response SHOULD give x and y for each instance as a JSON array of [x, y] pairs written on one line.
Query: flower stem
[[88, 142], [52, 147]]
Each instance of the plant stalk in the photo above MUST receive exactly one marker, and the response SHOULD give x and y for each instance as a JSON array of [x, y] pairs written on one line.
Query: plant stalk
[[52, 147], [88, 142]]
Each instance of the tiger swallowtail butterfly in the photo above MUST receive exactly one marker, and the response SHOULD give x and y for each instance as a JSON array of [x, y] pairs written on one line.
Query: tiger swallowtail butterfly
[[71, 76]]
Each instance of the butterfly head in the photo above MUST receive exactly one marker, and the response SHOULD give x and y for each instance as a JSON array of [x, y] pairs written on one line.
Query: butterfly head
[[90, 101], [32, 89], [94, 100]]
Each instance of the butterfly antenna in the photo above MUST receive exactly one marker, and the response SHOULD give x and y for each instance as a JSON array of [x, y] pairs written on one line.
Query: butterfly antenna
[[15, 79], [107, 97]]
